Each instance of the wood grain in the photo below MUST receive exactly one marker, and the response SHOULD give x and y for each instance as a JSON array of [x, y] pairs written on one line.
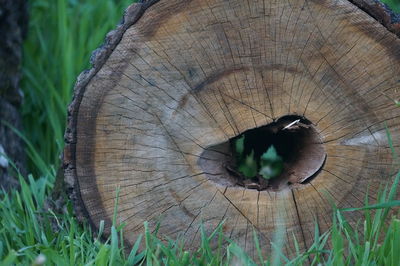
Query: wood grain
[[180, 76]]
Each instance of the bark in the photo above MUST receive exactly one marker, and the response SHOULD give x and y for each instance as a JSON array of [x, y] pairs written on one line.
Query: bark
[[382, 13], [13, 26], [178, 77]]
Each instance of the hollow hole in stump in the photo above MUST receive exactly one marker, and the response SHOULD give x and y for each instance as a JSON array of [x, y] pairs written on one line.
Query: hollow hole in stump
[[285, 153]]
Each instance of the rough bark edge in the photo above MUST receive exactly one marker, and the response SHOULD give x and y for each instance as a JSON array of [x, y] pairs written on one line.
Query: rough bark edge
[[380, 12], [99, 56]]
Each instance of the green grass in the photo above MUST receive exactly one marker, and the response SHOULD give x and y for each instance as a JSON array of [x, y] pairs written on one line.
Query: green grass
[[393, 4], [30, 231], [62, 35]]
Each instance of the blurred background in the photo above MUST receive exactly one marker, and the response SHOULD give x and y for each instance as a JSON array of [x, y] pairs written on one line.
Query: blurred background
[[61, 37], [393, 4]]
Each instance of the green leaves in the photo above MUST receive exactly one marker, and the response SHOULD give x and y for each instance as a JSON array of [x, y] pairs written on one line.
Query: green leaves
[[271, 163], [246, 164], [248, 167], [239, 145]]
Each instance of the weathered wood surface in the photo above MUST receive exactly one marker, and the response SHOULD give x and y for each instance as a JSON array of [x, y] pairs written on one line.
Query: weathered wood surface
[[180, 76]]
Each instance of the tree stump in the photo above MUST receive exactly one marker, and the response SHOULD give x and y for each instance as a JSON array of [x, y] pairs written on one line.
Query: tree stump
[[178, 79]]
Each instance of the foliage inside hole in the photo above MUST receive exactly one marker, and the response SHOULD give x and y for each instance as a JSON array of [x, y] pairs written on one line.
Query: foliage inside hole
[[268, 165]]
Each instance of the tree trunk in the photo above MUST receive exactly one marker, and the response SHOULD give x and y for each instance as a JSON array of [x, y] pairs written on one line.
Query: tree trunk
[[179, 79], [13, 25]]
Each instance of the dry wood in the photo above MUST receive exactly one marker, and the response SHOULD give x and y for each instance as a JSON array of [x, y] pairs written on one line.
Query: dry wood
[[178, 77]]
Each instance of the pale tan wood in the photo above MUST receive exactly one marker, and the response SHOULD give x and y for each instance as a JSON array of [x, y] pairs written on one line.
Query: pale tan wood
[[188, 75]]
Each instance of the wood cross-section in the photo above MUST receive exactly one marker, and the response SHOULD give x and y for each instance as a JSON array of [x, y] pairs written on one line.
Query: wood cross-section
[[178, 77]]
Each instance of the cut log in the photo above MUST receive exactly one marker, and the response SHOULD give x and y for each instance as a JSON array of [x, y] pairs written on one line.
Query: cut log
[[179, 79]]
